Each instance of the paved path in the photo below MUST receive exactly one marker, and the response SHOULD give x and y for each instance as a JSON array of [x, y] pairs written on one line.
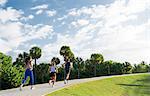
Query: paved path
[[43, 89]]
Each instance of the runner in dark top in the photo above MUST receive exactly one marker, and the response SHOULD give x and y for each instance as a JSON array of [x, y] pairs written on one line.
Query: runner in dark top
[[67, 70]]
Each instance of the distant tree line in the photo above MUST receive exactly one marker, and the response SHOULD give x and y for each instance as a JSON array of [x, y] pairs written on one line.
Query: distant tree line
[[12, 73]]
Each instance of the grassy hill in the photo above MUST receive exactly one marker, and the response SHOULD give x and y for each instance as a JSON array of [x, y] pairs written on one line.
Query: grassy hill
[[137, 85]]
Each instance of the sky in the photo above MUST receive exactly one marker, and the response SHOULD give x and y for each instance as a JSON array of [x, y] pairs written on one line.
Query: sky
[[117, 29]]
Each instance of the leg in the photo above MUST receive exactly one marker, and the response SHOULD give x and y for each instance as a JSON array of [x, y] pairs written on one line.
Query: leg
[[25, 77], [51, 74], [31, 78], [49, 81], [68, 75], [55, 77], [24, 80]]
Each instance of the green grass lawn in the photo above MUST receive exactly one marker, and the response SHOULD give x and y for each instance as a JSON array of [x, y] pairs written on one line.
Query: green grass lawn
[[138, 85]]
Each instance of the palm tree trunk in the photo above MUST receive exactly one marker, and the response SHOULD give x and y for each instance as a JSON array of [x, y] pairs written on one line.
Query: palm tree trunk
[[35, 72], [78, 73], [95, 70], [108, 70], [64, 72]]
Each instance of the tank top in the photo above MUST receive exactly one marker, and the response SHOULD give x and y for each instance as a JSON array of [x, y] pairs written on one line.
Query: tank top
[[67, 66], [29, 65], [52, 69]]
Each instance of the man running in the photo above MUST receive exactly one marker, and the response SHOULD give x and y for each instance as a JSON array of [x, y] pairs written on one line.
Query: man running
[[28, 72], [67, 69]]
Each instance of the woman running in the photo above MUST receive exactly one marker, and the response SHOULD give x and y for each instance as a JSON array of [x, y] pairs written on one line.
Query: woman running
[[28, 72], [53, 70], [52, 74]]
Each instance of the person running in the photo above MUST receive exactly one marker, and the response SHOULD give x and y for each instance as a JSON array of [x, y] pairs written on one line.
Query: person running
[[28, 72], [67, 69], [52, 73]]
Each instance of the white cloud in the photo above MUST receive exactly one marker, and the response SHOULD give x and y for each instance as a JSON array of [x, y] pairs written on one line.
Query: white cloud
[[4, 46], [30, 16], [27, 18], [3, 2], [44, 9], [83, 22], [139, 6], [39, 12], [39, 7], [111, 30], [39, 32], [10, 36], [17, 51], [10, 14], [42, 32], [51, 13], [80, 22], [13, 34]]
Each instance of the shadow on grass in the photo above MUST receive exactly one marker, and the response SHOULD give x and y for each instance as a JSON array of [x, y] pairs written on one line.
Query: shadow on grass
[[137, 88], [135, 85]]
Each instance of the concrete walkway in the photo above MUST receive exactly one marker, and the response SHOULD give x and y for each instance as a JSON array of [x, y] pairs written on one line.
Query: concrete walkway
[[43, 89]]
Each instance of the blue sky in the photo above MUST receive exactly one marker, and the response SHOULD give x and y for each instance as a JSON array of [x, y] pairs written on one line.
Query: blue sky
[[118, 29]]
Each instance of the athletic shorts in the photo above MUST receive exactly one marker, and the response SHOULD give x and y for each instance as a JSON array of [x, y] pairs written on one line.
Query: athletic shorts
[[67, 71], [52, 74]]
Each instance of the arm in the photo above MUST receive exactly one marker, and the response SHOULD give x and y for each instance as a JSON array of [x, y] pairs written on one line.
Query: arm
[[30, 65], [63, 65], [56, 69], [48, 69], [71, 65]]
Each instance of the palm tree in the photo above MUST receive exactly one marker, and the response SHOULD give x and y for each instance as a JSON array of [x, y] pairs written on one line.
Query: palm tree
[[127, 67], [108, 64], [35, 53], [20, 60], [78, 63], [96, 59], [65, 51], [56, 60]]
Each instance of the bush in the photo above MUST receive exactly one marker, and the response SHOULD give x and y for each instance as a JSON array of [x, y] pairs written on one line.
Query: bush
[[11, 76]]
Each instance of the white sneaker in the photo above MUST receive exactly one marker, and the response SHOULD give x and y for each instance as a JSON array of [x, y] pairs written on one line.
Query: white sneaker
[[65, 81], [32, 88], [21, 87]]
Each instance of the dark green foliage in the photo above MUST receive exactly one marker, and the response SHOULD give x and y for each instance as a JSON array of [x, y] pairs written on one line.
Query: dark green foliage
[[35, 52], [116, 68], [127, 68], [96, 59], [42, 71], [11, 76], [56, 60], [65, 51], [78, 65], [141, 68], [20, 60]]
